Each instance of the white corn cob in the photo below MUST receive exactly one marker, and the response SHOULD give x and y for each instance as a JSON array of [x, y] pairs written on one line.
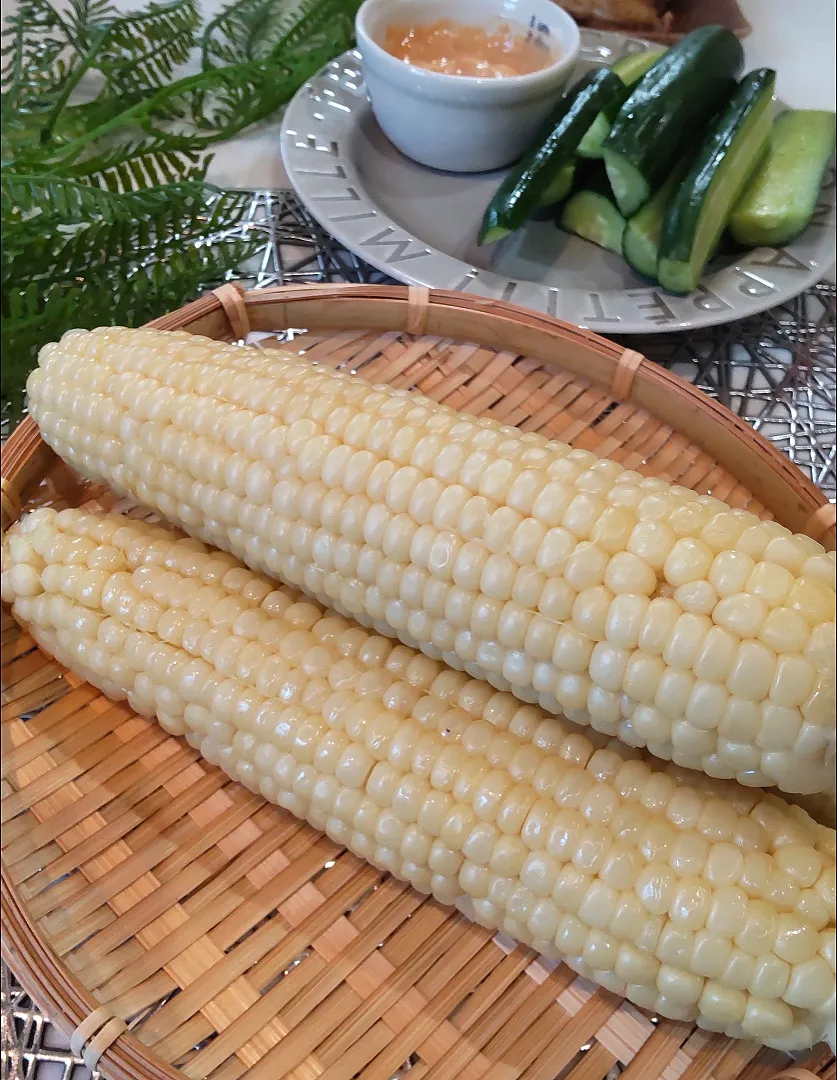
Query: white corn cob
[[712, 903], [641, 609]]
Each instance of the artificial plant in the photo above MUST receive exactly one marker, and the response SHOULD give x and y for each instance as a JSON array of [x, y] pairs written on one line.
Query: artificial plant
[[106, 214]]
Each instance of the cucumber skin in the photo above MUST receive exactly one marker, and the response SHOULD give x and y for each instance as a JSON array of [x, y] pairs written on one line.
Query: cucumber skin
[[594, 217], [675, 101], [519, 195], [630, 70], [683, 217], [779, 201]]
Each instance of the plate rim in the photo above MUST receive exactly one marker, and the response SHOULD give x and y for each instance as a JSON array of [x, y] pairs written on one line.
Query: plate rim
[[327, 105]]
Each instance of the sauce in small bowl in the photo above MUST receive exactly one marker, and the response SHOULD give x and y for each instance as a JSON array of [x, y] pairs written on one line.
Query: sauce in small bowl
[[464, 85], [453, 49]]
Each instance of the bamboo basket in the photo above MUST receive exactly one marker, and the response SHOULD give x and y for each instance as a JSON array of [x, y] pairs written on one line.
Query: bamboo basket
[[679, 19], [173, 924]]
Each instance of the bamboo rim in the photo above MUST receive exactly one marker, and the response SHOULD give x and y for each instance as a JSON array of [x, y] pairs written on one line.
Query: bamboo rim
[[229, 314]]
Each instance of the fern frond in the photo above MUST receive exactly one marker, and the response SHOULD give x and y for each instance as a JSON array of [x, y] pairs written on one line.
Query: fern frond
[[66, 201], [131, 166], [141, 51], [33, 70], [26, 311], [33, 315], [235, 34], [85, 16], [255, 29], [67, 253], [248, 93]]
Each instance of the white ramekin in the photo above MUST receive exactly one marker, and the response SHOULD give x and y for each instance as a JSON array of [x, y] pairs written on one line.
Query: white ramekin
[[455, 122]]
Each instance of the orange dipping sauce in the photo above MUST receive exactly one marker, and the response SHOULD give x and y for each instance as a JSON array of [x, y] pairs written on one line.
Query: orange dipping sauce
[[452, 49]]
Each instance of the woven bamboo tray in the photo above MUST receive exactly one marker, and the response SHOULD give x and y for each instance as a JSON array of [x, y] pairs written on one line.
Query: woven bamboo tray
[[682, 16], [175, 925]]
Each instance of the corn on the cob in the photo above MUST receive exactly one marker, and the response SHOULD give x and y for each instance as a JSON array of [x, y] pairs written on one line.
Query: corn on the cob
[[650, 613], [715, 905]]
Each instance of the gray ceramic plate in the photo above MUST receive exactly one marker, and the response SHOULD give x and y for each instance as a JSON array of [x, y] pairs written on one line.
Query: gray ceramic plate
[[420, 226]]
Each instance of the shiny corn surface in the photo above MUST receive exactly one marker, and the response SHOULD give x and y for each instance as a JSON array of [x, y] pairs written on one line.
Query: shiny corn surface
[[707, 902], [652, 614]]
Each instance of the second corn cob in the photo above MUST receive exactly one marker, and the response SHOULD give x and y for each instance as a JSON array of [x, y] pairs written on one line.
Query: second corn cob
[[711, 903], [651, 614]]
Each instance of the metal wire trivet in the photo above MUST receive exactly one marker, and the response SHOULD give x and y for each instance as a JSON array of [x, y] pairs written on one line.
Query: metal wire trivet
[[777, 370]]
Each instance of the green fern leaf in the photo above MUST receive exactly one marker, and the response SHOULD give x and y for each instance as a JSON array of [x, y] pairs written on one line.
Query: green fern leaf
[[132, 166], [84, 17], [141, 51], [67, 201], [33, 70], [34, 314], [256, 29]]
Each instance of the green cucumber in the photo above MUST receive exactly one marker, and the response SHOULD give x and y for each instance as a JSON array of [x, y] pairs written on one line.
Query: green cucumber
[[780, 199], [668, 109], [630, 70], [528, 184], [700, 209], [641, 242], [560, 185], [594, 217]]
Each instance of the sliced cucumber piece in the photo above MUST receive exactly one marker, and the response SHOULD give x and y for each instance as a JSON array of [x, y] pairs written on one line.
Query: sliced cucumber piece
[[528, 184], [668, 109], [594, 217], [726, 161], [780, 199], [630, 70], [641, 242], [560, 185]]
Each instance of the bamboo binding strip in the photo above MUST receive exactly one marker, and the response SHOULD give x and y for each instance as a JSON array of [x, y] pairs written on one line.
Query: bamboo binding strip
[[175, 925]]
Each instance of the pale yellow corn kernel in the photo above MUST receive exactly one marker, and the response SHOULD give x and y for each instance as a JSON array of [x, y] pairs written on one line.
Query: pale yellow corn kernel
[[723, 529], [770, 582], [822, 565], [795, 941], [730, 572], [674, 692], [784, 631], [651, 540], [753, 671], [613, 529], [627, 573], [678, 986], [813, 600], [710, 954], [715, 657], [585, 566], [810, 985], [660, 620], [741, 614], [766, 1019], [688, 561], [720, 1004], [786, 551], [696, 597], [675, 946]]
